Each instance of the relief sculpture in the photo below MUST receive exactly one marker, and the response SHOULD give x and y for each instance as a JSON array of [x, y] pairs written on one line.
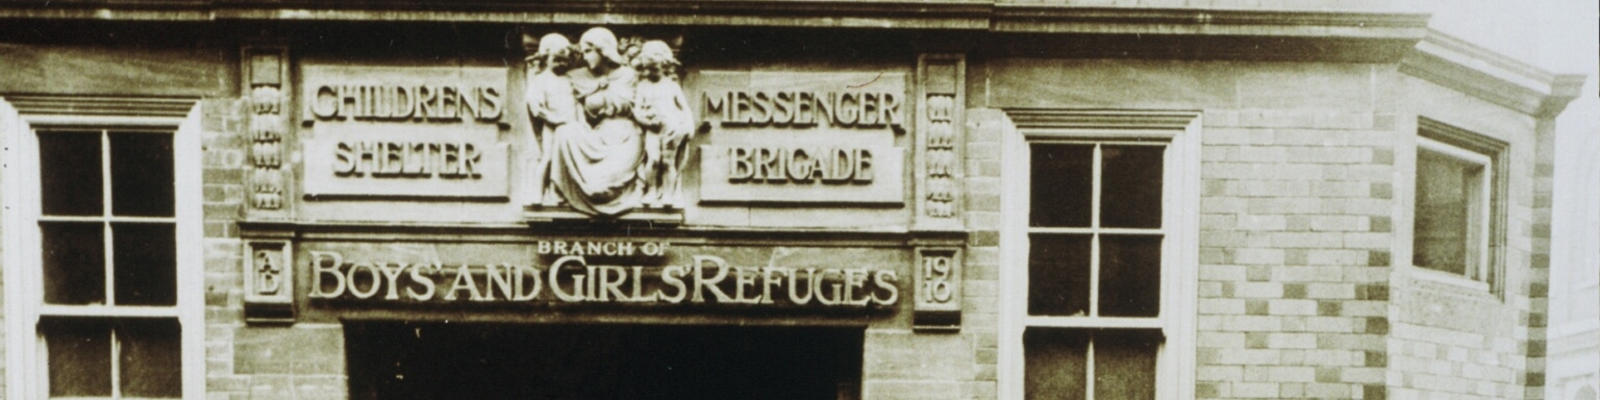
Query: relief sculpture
[[611, 121]]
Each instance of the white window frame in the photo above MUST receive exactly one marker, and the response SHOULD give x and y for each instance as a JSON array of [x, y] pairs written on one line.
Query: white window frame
[[1477, 265], [1485, 269], [24, 296], [1180, 132]]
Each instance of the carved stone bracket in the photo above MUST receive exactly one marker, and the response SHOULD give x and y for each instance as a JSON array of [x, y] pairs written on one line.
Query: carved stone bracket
[[940, 144], [938, 288], [265, 72], [268, 281]]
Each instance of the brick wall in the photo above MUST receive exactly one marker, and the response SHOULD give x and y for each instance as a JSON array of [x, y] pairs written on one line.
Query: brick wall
[[1295, 232], [985, 132], [303, 361]]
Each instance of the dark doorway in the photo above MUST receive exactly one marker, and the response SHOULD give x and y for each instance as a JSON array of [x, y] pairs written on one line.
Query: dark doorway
[[391, 360]]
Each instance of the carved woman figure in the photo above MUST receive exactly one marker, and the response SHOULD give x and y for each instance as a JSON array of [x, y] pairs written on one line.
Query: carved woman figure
[[662, 110], [552, 106], [595, 169]]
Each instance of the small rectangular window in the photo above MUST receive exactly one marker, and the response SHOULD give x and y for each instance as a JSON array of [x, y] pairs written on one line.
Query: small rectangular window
[[1455, 203], [70, 173], [1111, 363], [1058, 275], [1063, 181], [80, 357], [141, 174], [74, 263], [131, 358]]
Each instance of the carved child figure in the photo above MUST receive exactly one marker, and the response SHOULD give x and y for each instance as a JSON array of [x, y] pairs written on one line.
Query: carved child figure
[[662, 110], [552, 106]]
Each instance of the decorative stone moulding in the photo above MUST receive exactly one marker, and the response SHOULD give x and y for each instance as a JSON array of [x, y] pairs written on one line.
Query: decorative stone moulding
[[266, 69], [941, 95], [268, 281]]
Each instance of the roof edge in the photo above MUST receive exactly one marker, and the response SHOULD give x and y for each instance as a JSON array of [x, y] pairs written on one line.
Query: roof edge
[[1477, 71]]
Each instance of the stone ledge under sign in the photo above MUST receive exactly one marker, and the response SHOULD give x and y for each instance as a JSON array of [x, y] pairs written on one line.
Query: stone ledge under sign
[[652, 216]]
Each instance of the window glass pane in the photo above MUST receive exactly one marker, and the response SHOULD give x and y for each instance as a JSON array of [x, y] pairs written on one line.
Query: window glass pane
[[1054, 363], [1442, 211], [79, 355], [1130, 186], [1130, 276], [1125, 364], [1063, 183], [74, 262], [149, 362], [69, 173], [145, 264], [1058, 274], [141, 174]]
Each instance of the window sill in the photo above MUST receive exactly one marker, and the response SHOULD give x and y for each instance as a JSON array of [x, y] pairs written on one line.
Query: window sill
[[53, 310], [109, 398], [1446, 279]]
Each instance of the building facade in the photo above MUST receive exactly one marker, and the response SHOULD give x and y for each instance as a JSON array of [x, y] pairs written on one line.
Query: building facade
[[776, 199]]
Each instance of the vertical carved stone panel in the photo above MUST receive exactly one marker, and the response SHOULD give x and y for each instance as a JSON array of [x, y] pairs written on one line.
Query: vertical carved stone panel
[[265, 72], [938, 288], [941, 97], [268, 281]]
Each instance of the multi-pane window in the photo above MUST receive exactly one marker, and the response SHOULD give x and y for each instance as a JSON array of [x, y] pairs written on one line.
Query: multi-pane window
[[109, 279], [1095, 236], [1455, 204]]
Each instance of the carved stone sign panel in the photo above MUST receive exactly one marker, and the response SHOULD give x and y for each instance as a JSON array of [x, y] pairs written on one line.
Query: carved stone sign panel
[[361, 278], [404, 131], [798, 137]]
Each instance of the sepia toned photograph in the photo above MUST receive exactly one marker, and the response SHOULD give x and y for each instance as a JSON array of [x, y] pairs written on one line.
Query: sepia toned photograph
[[799, 199]]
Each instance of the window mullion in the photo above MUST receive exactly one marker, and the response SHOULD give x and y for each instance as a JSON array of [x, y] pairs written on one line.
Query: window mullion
[[1485, 188], [1088, 368], [116, 368], [105, 206], [1094, 239], [1108, 231], [1094, 200]]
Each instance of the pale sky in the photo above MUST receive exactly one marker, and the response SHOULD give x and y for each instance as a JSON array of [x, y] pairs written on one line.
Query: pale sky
[[1561, 36], [1558, 35]]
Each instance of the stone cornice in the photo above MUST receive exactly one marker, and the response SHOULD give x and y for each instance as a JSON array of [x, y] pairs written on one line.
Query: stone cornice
[[1454, 63], [1059, 119], [891, 14], [1025, 18], [508, 232], [77, 105]]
